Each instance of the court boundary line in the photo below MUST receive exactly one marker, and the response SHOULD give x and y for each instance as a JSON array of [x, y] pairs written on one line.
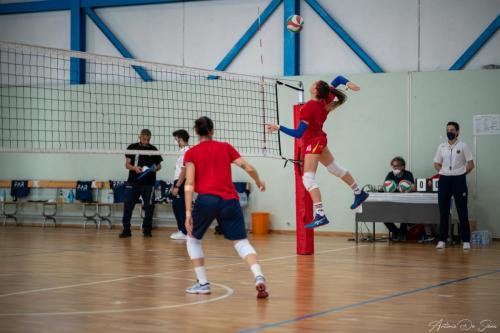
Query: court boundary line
[[229, 292], [161, 274], [372, 300]]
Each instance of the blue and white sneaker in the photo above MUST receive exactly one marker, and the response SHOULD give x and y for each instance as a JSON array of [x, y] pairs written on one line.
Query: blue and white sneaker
[[198, 288], [359, 199], [317, 222]]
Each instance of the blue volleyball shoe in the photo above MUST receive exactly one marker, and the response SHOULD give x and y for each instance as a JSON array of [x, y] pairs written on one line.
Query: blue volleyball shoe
[[317, 222], [359, 199]]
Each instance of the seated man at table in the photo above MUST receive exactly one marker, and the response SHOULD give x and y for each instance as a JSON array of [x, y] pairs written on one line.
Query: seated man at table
[[398, 174]]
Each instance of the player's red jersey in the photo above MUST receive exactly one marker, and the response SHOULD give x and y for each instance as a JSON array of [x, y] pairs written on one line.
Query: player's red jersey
[[212, 160], [314, 113]]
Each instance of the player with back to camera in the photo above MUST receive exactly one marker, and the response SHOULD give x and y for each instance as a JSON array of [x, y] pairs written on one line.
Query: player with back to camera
[[313, 114], [208, 173]]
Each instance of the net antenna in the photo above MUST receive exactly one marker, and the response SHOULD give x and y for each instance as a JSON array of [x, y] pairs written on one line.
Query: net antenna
[[59, 101], [300, 89]]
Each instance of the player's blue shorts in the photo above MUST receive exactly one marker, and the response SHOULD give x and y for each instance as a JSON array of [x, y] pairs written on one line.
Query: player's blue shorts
[[228, 213]]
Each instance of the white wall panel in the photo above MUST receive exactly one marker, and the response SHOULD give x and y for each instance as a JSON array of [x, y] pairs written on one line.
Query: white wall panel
[[449, 27], [152, 33], [213, 28], [200, 33], [45, 29], [385, 29]]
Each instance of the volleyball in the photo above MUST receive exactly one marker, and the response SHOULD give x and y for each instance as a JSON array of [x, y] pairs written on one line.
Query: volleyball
[[390, 186], [405, 186], [294, 23]]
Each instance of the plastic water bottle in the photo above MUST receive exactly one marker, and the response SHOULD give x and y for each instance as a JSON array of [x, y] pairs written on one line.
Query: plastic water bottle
[[481, 238], [110, 197], [475, 239], [60, 197], [485, 237], [71, 197]]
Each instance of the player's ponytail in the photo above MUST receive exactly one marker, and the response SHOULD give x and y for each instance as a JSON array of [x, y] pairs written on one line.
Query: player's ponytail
[[341, 97]]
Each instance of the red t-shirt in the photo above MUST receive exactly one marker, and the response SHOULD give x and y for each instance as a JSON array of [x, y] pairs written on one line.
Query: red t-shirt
[[212, 161], [314, 113]]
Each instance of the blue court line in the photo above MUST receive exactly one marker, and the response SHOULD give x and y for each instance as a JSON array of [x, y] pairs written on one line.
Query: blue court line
[[368, 301]]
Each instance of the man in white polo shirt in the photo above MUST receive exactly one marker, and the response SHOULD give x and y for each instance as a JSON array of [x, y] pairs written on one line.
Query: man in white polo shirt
[[178, 205], [453, 161]]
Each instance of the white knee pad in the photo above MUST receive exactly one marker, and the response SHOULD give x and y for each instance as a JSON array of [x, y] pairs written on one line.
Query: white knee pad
[[194, 248], [309, 181], [244, 248], [337, 169]]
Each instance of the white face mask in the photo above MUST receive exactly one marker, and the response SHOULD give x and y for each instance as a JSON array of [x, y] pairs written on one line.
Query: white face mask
[[396, 172]]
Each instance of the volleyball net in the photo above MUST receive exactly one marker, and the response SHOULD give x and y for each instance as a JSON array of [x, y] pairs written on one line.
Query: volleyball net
[[59, 101]]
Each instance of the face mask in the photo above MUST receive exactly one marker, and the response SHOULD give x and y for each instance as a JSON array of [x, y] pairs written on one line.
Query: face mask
[[451, 135], [396, 172]]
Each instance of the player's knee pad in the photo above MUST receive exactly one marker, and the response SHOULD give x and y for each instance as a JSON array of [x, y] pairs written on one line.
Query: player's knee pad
[[337, 169], [244, 248], [194, 248], [309, 181]]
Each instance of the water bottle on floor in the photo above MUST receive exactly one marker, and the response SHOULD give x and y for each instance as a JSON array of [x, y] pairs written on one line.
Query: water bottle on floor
[[71, 197]]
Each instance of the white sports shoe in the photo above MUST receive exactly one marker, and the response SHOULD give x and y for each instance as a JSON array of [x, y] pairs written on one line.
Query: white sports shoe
[[440, 245], [178, 236], [466, 246], [198, 288]]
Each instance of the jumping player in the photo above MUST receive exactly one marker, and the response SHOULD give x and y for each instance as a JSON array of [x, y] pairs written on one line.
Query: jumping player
[[313, 114]]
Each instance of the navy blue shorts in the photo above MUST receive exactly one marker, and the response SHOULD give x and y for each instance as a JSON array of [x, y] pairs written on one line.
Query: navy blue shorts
[[228, 213]]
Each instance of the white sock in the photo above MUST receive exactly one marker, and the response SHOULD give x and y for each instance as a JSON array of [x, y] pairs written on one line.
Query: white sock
[[318, 209], [256, 270], [201, 274], [355, 188]]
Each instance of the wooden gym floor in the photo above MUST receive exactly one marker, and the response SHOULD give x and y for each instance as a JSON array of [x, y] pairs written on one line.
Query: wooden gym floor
[[75, 280]]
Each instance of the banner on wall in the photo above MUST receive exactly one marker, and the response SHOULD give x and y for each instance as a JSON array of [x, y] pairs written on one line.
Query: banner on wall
[[488, 124]]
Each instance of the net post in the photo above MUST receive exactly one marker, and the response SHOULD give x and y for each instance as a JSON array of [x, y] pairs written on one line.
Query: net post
[[303, 201]]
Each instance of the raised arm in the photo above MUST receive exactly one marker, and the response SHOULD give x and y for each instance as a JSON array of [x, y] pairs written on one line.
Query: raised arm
[[342, 80]]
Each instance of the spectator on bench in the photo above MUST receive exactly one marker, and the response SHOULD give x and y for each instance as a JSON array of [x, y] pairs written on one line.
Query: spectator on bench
[[399, 173]]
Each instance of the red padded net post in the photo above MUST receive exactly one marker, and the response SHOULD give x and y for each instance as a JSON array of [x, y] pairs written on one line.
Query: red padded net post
[[303, 201]]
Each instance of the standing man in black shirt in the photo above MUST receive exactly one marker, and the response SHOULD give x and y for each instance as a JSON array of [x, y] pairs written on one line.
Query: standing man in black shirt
[[398, 174], [141, 182]]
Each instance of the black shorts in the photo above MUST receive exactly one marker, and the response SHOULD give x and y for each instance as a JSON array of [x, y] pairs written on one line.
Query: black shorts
[[228, 213]]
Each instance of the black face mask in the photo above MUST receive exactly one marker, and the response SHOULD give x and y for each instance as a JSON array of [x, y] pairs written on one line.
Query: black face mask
[[451, 135]]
